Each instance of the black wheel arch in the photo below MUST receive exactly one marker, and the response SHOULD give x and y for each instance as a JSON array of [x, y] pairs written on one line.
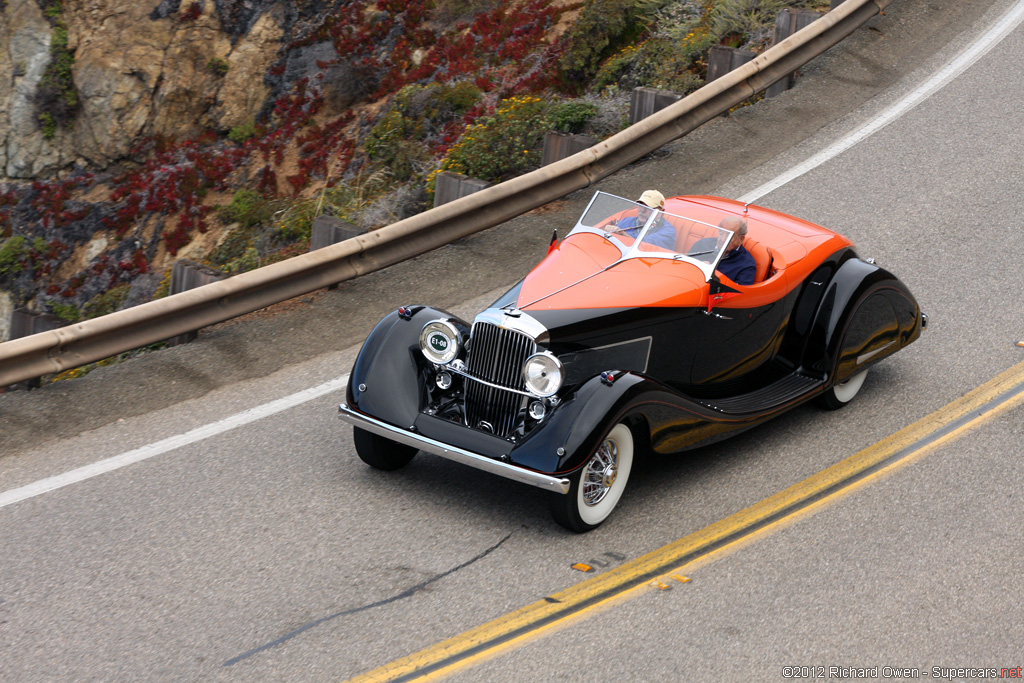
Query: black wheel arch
[[864, 315]]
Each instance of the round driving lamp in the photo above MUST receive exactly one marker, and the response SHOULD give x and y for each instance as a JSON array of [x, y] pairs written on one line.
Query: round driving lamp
[[440, 342], [542, 373]]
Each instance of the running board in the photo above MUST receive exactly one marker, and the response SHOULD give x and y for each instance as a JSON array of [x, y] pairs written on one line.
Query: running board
[[776, 394]]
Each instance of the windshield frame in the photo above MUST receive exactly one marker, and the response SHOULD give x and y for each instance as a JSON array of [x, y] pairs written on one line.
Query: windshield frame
[[604, 210]]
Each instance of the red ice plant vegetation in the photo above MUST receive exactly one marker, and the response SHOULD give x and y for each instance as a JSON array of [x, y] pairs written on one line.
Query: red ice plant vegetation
[[51, 197], [172, 181]]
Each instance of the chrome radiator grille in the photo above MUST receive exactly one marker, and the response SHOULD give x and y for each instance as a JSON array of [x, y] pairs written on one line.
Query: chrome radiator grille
[[496, 355]]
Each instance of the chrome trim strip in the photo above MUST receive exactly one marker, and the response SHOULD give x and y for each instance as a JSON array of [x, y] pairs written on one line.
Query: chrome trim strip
[[867, 356], [463, 373], [480, 462], [514, 320]]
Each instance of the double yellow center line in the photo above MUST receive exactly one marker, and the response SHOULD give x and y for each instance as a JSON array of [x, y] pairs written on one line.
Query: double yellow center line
[[946, 424]]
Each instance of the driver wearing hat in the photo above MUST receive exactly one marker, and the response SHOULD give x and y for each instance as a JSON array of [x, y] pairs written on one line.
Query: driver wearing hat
[[661, 233]]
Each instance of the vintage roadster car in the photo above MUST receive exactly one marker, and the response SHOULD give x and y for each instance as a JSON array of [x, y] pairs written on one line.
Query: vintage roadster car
[[615, 346]]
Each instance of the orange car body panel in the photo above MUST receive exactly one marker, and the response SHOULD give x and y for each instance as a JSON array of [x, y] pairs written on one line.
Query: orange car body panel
[[573, 269]]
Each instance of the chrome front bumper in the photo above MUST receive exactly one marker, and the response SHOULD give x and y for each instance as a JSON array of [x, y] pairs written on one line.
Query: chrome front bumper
[[543, 481]]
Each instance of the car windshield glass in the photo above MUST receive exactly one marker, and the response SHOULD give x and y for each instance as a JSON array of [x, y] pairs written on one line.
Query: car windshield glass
[[641, 232]]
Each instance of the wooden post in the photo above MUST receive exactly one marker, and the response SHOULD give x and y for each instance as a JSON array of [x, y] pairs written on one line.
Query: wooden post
[[26, 322], [561, 145], [645, 101], [328, 230], [788, 22], [722, 60], [186, 275], [451, 186]]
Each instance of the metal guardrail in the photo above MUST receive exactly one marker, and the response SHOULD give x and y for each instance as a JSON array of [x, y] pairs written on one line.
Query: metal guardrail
[[92, 340]]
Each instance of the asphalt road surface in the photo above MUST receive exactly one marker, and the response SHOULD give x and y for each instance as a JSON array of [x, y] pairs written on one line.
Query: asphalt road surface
[[237, 537]]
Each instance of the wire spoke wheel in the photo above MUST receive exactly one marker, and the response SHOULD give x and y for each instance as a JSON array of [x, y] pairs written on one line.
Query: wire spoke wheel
[[598, 485], [600, 473]]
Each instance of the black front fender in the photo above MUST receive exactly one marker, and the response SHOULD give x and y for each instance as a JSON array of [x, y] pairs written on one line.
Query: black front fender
[[388, 376], [572, 432]]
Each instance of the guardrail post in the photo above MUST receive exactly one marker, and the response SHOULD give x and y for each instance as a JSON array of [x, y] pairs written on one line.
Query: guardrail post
[[788, 22], [645, 101], [451, 186], [722, 60], [561, 145], [25, 322], [447, 188], [186, 275], [328, 230]]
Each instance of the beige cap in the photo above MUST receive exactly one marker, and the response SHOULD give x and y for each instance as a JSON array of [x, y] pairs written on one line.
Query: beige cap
[[653, 199]]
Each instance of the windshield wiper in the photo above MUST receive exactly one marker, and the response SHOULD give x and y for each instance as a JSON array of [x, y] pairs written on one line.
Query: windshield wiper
[[703, 253]]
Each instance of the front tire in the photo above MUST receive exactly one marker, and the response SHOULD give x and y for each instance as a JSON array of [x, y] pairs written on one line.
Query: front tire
[[379, 452], [598, 485], [838, 395]]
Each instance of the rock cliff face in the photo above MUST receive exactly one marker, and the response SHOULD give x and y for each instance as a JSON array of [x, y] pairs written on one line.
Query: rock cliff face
[[140, 69], [108, 168], [25, 35]]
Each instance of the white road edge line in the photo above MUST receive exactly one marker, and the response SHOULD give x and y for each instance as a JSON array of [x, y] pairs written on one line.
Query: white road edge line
[[941, 78], [170, 443], [993, 36]]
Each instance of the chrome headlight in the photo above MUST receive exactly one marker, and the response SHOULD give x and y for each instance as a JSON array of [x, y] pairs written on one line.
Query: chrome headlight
[[542, 373], [440, 342]]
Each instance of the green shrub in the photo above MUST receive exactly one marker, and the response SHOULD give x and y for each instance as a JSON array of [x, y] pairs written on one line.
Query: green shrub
[[572, 117], [56, 99], [246, 261], [217, 66], [417, 113], [66, 311], [459, 98], [296, 224], [385, 136], [164, 287], [662, 61], [249, 208], [408, 159], [741, 22], [107, 302], [504, 145], [231, 247], [47, 125], [602, 27], [749, 23], [243, 132], [11, 253]]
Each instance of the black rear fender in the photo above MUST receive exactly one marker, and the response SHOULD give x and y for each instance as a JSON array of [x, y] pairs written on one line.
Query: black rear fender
[[865, 315]]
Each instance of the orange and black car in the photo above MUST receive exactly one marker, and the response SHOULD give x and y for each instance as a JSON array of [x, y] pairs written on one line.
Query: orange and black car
[[615, 346]]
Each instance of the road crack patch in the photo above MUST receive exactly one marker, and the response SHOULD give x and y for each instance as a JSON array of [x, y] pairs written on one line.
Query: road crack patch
[[407, 593]]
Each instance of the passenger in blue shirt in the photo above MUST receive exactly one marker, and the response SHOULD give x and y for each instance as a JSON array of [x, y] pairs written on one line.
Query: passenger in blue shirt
[[661, 234], [737, 264]]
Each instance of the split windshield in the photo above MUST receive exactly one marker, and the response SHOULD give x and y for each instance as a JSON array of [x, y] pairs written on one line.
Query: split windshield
[[641, 232]]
